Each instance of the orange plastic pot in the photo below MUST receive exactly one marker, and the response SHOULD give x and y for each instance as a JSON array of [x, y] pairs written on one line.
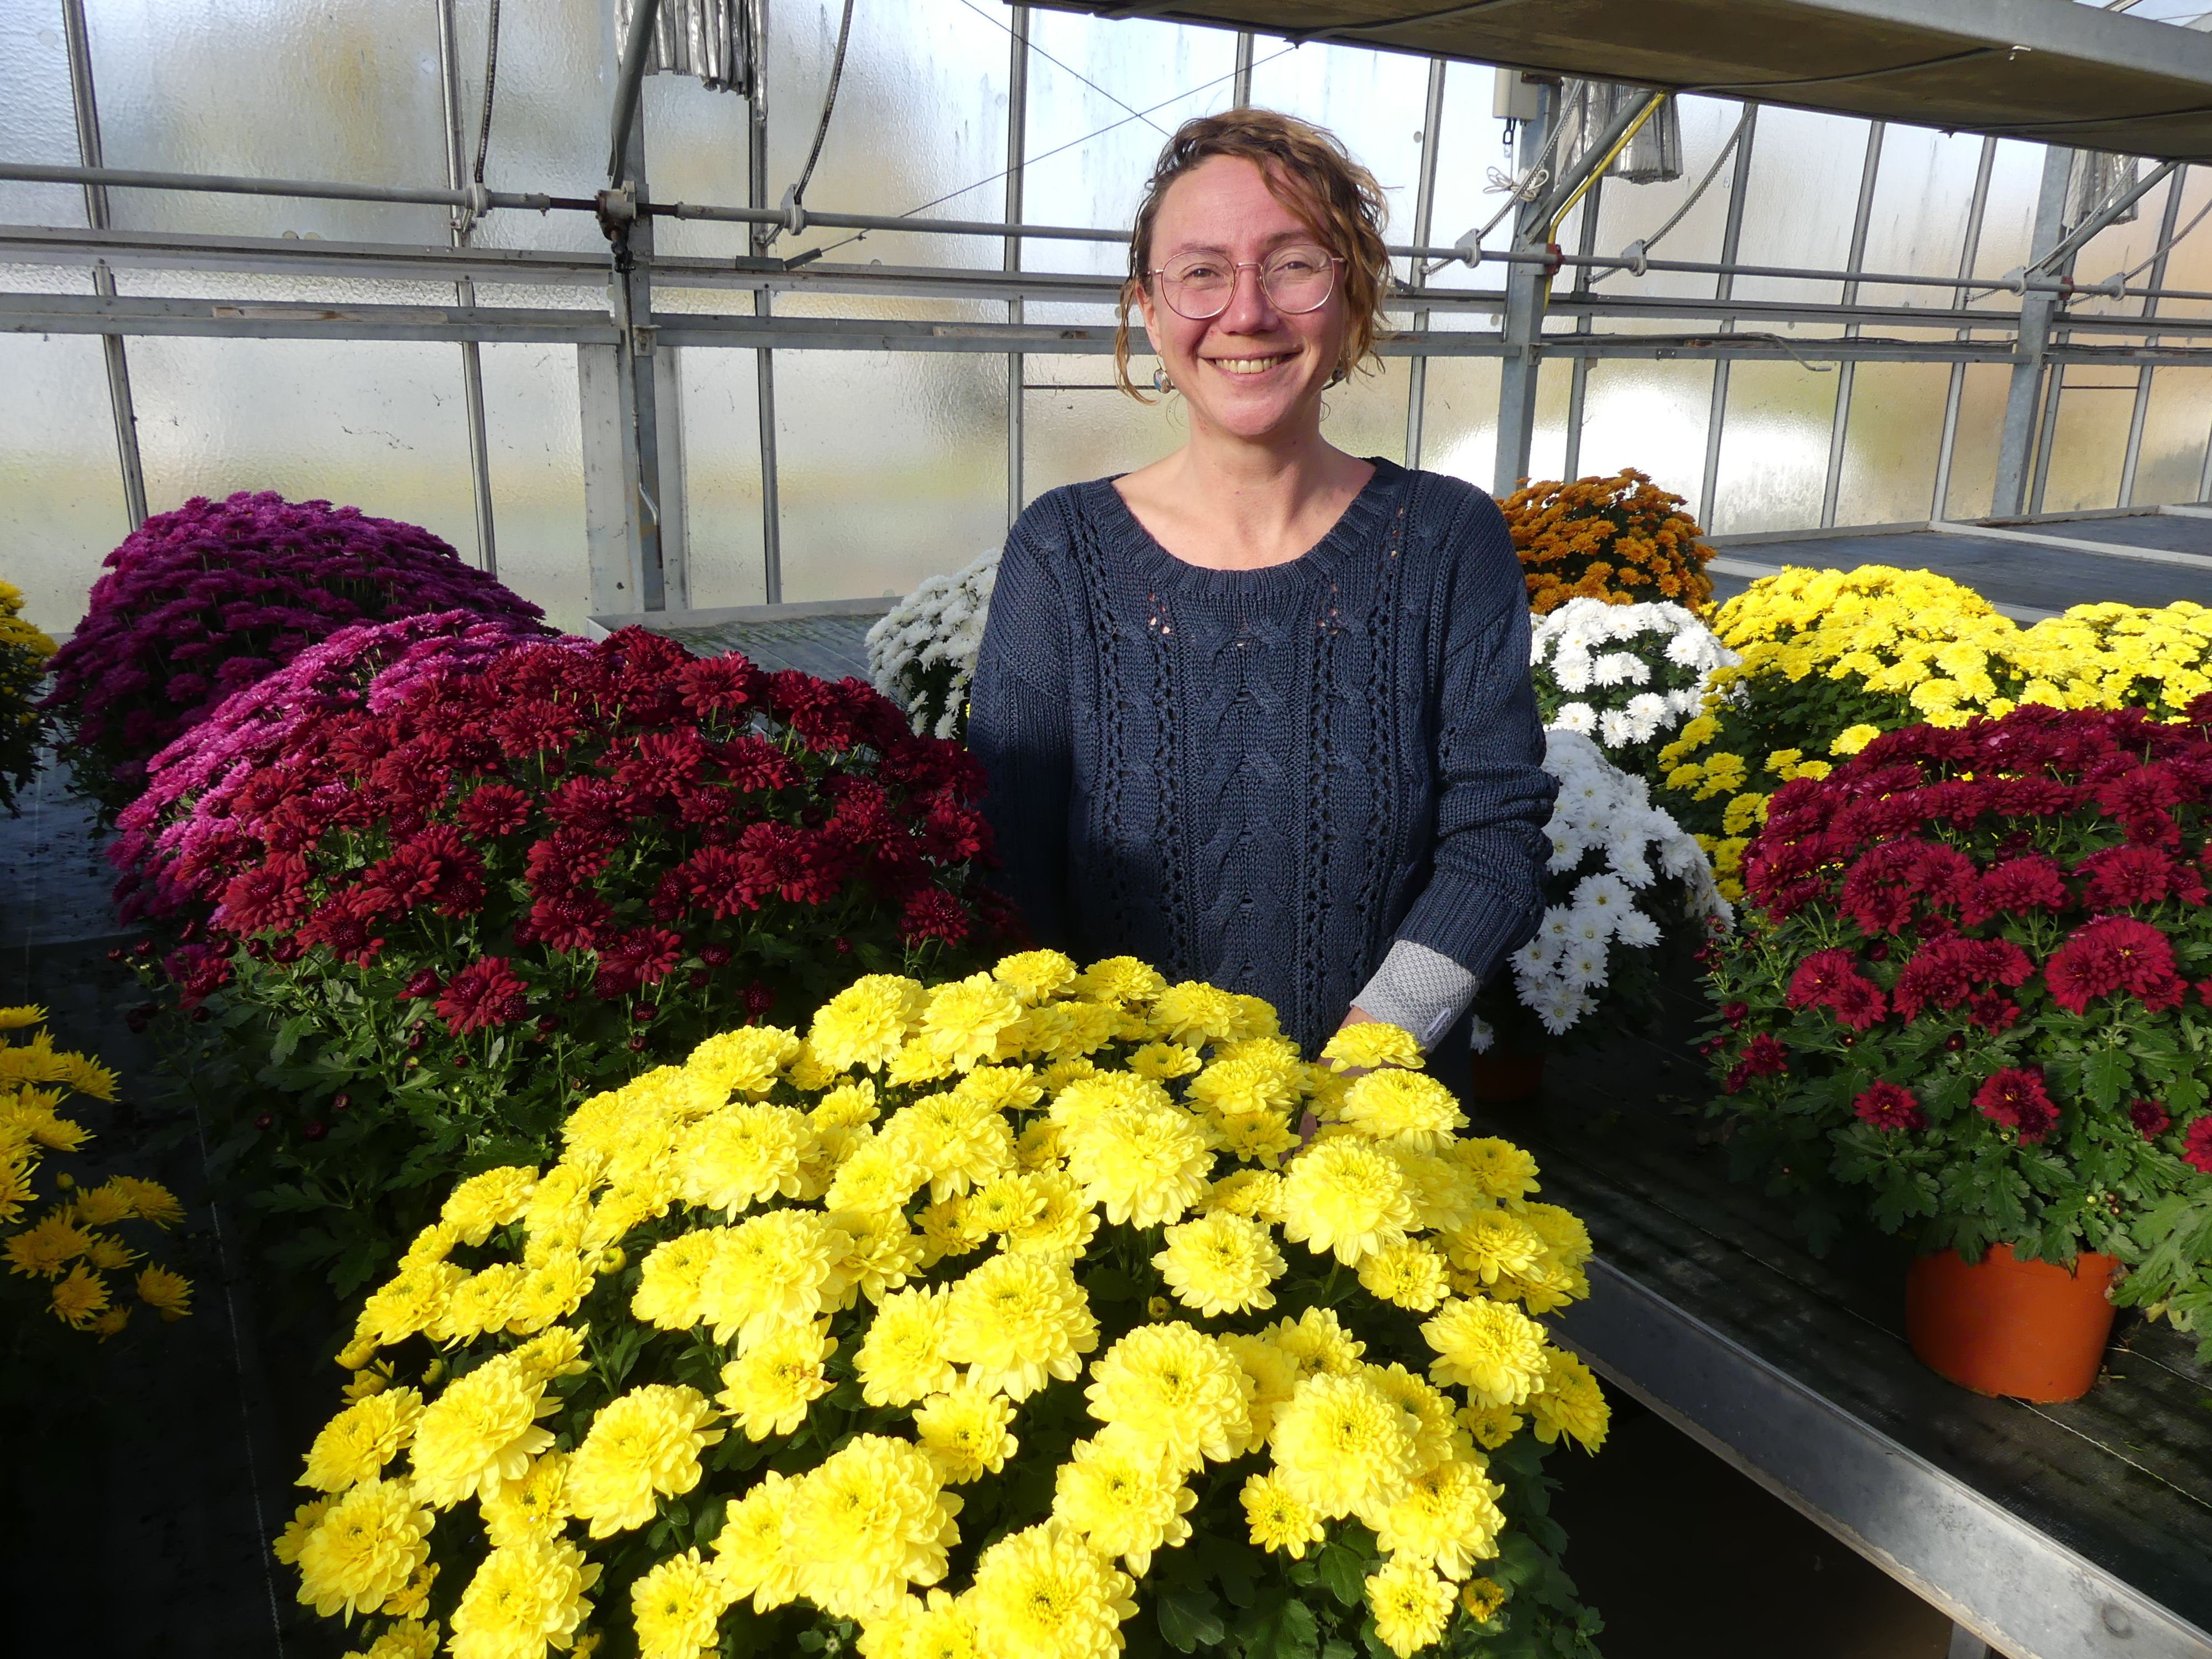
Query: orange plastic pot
[[2001, 1326], [1510, 1075]]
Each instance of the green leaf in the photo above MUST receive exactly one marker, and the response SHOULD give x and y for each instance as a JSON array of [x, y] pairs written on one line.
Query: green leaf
[[1280, 1627], [2105, 1075], [1343, 1571], [1190, 1618]]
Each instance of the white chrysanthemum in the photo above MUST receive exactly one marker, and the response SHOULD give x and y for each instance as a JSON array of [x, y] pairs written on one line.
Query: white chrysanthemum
[[1575, 717]]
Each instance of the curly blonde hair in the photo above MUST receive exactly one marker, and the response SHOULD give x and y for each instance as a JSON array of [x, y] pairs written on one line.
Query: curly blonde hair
[[1307, 169]]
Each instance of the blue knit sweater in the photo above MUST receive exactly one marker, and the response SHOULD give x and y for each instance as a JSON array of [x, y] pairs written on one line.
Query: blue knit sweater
[[1265, 779]]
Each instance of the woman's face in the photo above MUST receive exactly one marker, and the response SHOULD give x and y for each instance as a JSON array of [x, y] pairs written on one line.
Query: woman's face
[[1254, 370]]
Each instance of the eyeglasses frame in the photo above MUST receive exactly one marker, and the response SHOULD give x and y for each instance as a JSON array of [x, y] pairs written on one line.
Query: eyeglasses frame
[[1259, 265]]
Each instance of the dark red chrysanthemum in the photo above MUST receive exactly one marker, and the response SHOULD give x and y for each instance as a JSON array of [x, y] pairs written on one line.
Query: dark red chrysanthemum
[[930, 913], [2017, 1097], [2113, 953], [1762, 1056], [2197, 1145], [1890, 1106], [2151, 1119], [496, 809], [485, 992], [269, 898]]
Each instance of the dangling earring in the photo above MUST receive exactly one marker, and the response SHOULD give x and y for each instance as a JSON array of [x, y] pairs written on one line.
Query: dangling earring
[[1161, 383]]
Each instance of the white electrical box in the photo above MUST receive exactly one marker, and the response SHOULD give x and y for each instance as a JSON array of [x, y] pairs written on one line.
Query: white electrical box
[[1512, 98]]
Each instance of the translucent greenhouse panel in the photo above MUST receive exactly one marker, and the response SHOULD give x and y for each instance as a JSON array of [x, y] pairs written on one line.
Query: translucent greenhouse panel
[[2009, 217], [1089, 152], [2088, 445], [694, 151], [1774, 448], [722, 476], [1892, 442], [2188, 265], [920, 127], [1547, 451], [1374, 101], [376, 425], [1366, 415], [2172, 464], [1923, 195], [1650, 415], [1974, 449], [550, 111], [61, 497], [890, 466], [1077, 430], [1459, 418], [534, 437], [1467, 196], [1804, 186], [36, 121], [1629, 213], [346, 89]]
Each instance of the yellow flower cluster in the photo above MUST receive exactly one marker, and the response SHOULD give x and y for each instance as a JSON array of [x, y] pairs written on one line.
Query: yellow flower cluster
[[1620, 539], [1831, 659], [23, 653], [905, 1203], [68, 1248]]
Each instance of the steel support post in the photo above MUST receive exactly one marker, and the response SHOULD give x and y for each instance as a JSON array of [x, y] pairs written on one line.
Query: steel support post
[[2136, 417], [121, 406], [1578, 389], [1240, 90], [1424, 204], [657, 584], [2017, 438], [1724, 288], [1524, 311], [465, 294], [1839, 427], [1017, 103], [1970, 248], [763, 305]]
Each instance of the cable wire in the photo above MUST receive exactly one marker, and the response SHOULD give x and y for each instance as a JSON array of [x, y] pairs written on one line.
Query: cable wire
[[491, 84], [829, 103], [1039, 52], [1712, 172]]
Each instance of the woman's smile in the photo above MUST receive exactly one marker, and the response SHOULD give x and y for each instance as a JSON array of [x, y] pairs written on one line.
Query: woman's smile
[[1245, 367]]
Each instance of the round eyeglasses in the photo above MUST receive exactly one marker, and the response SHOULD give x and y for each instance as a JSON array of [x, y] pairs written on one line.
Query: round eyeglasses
[[1296, 279]]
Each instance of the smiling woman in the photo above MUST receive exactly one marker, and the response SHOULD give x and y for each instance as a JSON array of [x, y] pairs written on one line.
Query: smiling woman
[[1261, 712]]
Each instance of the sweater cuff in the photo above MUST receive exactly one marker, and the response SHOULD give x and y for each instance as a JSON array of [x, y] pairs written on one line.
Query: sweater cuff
[[1419, 990], [1475, 923]]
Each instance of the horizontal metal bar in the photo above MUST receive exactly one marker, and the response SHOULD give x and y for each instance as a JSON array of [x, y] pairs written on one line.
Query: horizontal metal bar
[[76, 313], [228, 185], [2074, 545]]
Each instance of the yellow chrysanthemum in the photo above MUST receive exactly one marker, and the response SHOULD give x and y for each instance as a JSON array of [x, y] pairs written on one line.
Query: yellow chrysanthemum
[[869, 1520], [1569, 1403], [1119, 980], [1065, 1222], [410, 1640], [523, 1597], [535, 1506], [1343, 1445], [363, 1549], [902, 1356], [743, 1155], [1492, 1349], [752, 1551], [481, 1432], [1372, 1043], [957, 1141], [1044, 1592], [1449, 1519], [1482, 1597], [1145, 1164], [1118, 1492], [1175, 1387], [1502, 1172], [769, 1387], [45, 1250], [1033, 975], [939, 1628], [744, 1061], [355, 1445], [1348, 1196], [1411, 1604], [488, 1200], [1491, 1243], [885, 1252], [1491, 1426], [1279, 1519], [1408, 1275], [1256, 1194], [1163, 1061], [1410, 1107], [866, 1023], [966, 1015], [1016, 1320], [1221, 1264], [784, 1267], [1317, 1340], [80, 1298], [410, 1302], [643, 1444], [675, 1605], [966, 1432]]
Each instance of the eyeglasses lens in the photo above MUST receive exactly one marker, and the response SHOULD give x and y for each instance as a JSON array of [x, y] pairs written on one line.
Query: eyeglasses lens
[[1295, 280]]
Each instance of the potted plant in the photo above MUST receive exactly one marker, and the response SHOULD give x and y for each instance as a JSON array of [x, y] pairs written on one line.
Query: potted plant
[[984, 1319], [1968, 999], [922, 654], [1620, 539], [23, 653], [1629, 899], [1626, 675]]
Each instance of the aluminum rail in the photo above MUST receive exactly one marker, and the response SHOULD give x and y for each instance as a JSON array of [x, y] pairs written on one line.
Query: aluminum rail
[[226, 184]]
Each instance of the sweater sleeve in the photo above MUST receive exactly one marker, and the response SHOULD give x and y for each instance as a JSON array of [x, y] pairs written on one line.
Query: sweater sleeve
[[1485, 896], [1020, 728]]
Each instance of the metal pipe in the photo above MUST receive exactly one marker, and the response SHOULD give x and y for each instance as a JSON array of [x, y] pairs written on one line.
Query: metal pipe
[[2143, 375], [1869, 172], [1970, 247], [763, 307], [1725, 290], [1239, 89], [122, 406], [226, 184], [629, 83], [1424, 202], [1018, 104], [1578, 387], [2023, 391], [465, 293]]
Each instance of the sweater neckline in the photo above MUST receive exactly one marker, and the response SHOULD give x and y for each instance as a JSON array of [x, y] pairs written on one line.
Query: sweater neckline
[[1354, 531]]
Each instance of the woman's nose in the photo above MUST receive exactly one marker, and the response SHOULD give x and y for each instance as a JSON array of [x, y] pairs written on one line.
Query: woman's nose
[[1250, 311]]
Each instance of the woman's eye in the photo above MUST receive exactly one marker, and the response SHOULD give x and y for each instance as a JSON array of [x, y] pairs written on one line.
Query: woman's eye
[[1200, 274], [1298, 264]]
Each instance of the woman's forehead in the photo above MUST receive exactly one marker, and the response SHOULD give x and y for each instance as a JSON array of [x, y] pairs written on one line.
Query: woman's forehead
[[1224, 200]]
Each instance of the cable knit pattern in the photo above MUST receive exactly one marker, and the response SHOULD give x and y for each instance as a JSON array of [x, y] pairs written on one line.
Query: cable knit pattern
[[1266, 778]]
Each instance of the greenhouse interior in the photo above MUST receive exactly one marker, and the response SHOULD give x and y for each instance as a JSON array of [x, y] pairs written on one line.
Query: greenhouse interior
[[1530, 994]]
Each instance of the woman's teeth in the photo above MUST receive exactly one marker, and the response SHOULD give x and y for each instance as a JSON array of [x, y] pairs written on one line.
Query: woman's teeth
[[1250, 365]]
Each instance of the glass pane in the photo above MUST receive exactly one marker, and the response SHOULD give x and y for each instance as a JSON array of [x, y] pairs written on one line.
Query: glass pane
[[2009, 219], [535, 446], [37, 122], [1922, 196], [346, 90], [2174, 427], [1468, 166], [1082, 431], [1088, 155], [1774, 446], [1892, 442], [1629, 213], [550, 111], [2089, 443], [890, 466], [722, 478], [1547, 451], [60, 495], [1458, 419], [1974, 449], [1366, 415], [1804, 184], [1650, 415], [1373, 100]]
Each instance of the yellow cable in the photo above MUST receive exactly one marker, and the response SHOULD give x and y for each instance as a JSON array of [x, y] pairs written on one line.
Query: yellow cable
[[1551, 232]]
